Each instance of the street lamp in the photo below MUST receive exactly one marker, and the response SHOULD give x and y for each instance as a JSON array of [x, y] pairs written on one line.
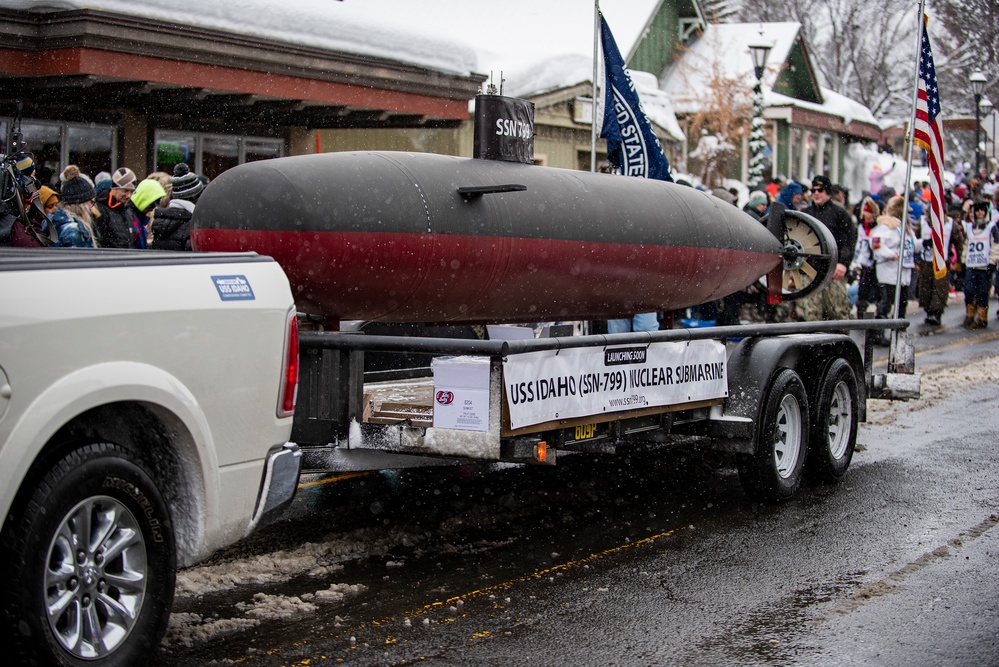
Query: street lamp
[[977, 88], [757, 136], [759, 53], [986, 106]]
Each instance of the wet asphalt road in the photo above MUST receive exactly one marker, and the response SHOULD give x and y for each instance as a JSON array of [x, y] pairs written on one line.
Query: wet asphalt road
[[654, 558]]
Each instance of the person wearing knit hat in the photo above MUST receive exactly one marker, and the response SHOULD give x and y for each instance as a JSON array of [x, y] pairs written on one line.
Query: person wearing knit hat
[[831, 302], [981, 254], [49, 199], [75, 188], [791, 195], [186, 184], [103, 188], [113, 223], [164, 180], [172, 223], [147, 194], [124, 178], [72, 218], [757, 204]]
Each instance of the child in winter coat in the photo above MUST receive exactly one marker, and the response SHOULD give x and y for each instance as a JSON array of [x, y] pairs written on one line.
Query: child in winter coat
[[868, 291], [890, 246], [981, 254]]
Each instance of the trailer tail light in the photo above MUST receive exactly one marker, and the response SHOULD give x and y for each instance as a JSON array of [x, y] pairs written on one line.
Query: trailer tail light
[[289, 373], [541, 452]]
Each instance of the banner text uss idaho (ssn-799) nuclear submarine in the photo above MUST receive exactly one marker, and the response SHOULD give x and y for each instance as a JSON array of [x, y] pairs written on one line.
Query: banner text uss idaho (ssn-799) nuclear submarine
[[416, 237]]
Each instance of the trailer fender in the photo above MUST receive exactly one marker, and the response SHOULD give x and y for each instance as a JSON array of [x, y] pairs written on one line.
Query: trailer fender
[[754, 363]]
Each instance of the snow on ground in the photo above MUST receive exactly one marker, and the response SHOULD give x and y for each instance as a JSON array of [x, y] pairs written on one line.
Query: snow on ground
[[316, 559], [936, 384], [272, 607], [187, 629]]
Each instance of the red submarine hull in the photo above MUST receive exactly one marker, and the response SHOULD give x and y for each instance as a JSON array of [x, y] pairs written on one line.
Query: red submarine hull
[[417, 237]]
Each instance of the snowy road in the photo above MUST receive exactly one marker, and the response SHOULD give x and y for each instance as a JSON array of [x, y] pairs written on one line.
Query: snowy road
[[654, 558]]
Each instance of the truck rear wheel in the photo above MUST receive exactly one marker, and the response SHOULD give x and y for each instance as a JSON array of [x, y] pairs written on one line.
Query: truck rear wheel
[[834, 431], [774, 472], [90, 562]]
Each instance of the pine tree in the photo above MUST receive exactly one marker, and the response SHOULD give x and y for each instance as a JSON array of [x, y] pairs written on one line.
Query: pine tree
[[757, 139]]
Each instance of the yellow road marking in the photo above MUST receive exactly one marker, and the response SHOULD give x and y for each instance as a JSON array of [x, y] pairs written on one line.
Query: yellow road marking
[[334, 479], [438, 605]]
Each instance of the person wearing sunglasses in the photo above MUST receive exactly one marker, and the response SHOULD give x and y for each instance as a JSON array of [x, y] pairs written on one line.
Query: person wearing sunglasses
[[831, 302]]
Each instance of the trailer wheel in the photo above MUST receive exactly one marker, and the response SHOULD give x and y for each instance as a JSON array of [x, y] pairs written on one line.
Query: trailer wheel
[[774, 472], [90, 564], [834, 430]]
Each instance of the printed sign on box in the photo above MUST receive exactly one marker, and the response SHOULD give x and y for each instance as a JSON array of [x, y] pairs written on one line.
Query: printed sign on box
[[461, 393], [581, 382]]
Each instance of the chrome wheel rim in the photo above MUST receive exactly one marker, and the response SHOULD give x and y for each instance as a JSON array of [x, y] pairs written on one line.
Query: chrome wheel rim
[[787, 436], [95, 577], [840, 409]]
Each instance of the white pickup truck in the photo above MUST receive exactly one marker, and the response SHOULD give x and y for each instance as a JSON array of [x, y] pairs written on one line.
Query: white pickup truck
[[146, 404]]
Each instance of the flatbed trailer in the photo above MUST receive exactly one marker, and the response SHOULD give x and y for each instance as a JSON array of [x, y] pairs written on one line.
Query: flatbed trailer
[[785, 399]]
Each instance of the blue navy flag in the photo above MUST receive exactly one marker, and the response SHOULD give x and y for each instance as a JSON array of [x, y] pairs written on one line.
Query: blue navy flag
[[632, 146]]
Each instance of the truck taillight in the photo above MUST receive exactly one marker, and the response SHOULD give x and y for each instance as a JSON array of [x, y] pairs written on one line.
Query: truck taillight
[[289, 374]]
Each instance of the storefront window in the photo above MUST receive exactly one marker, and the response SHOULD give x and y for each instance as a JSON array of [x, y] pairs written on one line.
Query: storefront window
[[218, 154], [173, 148], [44, 140], [91, 148], [55, 145], [211, 154], [261, 149]]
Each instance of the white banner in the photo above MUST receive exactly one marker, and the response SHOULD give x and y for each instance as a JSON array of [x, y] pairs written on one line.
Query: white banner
[[581, 382]]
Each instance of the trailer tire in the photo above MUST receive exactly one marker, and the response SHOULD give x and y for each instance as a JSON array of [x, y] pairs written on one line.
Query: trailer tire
[[92, 550], [834, 423], [774, 472]]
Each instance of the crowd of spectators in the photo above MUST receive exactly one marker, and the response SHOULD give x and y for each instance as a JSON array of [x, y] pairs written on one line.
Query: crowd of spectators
[[882, 241], [108, 210]]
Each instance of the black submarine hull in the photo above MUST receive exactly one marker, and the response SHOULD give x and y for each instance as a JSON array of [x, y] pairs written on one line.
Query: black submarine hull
[[416, 237]]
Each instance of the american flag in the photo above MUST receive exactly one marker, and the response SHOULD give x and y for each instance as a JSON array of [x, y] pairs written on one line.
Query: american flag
[[928, 134]]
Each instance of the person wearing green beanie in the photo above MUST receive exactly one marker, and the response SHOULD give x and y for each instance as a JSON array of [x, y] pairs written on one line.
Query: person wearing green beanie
[[147, 194]]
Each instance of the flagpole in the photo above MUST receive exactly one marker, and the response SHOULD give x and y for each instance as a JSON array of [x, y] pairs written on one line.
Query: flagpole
[[910, 139], [596, 56]]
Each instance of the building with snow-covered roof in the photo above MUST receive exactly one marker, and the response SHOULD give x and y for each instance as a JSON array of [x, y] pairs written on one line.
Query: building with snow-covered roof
[[108, 83], [810, 126]]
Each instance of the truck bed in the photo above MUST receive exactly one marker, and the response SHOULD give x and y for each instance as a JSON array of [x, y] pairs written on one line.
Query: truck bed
[[27, 259]]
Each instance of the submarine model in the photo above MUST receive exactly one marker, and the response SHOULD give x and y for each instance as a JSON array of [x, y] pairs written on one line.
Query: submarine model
[[417, 237]]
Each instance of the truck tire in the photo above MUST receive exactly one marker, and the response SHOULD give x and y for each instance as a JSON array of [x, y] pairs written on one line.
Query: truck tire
[[774, 472], [834, 423], [89, 563]]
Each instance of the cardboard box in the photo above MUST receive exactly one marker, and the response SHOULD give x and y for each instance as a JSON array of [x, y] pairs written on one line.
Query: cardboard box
[[461, 393]]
